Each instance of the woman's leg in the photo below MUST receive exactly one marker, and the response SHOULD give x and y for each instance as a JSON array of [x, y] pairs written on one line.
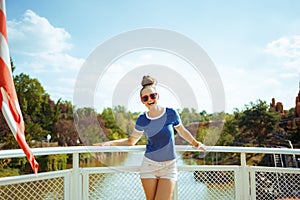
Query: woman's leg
[[165, 188], [150, 185]]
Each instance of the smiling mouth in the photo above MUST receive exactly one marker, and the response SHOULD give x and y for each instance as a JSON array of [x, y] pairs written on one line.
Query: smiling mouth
[[151, 103]]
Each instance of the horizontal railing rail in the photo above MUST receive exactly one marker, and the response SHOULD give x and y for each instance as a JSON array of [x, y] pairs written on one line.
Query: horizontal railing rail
[[238, 181], [14, 153]]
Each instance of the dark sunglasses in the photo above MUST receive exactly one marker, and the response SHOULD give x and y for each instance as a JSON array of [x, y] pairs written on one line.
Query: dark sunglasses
[[146, 97]]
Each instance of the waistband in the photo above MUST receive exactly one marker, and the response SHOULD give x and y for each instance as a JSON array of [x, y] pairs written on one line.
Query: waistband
[[163, 163]]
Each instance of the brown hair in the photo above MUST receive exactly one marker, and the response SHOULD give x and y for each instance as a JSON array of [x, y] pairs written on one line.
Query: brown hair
[[148, 82]]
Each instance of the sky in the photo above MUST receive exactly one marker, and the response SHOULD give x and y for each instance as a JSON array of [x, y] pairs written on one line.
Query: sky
[[254, 46]]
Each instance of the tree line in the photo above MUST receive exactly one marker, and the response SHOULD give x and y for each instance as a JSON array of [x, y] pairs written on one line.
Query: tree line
[[253, 125]]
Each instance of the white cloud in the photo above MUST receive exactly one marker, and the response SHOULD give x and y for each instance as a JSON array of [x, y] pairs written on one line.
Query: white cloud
[[272, 82], [54, 62], [40, 49], [243, 85], [35, 34], [289, 75], [287, 49], [43, 45], [58, 92]]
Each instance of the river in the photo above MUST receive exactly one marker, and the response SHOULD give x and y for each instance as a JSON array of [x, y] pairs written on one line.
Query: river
[[118, 186]]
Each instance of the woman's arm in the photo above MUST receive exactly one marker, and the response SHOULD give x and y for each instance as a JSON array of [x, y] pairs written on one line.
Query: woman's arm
[[185, 134], [132, 140]]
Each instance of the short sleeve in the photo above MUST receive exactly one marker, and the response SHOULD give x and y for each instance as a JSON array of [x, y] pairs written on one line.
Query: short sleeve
[[176, 120], [139, 124]]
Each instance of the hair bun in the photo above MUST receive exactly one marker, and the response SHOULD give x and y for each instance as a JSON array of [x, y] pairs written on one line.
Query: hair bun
[[148, 80]]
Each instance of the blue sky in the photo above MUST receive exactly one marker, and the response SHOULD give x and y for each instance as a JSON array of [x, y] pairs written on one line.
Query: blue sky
[[255, 45]]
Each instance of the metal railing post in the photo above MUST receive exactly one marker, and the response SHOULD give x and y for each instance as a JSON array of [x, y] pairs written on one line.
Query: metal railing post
[[245, 177], [76, 185]]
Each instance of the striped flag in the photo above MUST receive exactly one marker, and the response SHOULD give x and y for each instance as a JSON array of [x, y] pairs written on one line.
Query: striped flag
[[8, 97]]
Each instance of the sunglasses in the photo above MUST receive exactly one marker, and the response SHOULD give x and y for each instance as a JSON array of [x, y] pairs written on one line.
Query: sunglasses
[[146, 97]]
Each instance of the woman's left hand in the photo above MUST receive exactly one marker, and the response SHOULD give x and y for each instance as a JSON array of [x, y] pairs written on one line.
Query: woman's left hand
[[200, 146]]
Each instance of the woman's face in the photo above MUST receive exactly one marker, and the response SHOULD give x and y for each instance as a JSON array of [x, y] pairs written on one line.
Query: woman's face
[[149, 97]]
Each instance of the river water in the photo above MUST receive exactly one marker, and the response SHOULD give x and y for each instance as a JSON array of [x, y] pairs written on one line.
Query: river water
[[119, 185]]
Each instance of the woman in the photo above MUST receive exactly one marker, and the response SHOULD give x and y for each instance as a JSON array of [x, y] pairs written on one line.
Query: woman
[[158, 171]]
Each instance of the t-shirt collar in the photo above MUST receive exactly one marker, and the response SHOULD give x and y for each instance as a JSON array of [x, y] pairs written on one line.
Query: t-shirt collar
[[159, 116]]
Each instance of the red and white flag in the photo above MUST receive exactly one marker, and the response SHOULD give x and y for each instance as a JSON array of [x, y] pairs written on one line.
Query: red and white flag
[[9, 103]]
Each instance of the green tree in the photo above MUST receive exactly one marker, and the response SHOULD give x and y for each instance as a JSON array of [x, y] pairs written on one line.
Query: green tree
[[66, 133], [65, 109], [124, 120], [204, 116], [189, 116], [185, 116], [5, 135], [38, 110], [111, 124], [257, 123], [49, 113], [229, 132], [30, 93], [87, 125], [63, 121]]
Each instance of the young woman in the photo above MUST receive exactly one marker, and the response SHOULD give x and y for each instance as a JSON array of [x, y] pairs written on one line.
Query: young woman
[[158, 171]]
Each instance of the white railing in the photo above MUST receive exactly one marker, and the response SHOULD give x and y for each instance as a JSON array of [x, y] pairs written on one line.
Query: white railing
[[241, 182]]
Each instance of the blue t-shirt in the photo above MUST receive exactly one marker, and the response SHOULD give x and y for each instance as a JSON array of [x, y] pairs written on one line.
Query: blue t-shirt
[[160, 134]]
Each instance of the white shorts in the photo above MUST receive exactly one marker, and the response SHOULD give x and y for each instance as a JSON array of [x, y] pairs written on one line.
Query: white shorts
[[154, 169]]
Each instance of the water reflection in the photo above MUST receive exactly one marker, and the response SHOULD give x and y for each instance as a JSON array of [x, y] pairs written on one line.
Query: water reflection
[[125, 159], [120, 185]]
